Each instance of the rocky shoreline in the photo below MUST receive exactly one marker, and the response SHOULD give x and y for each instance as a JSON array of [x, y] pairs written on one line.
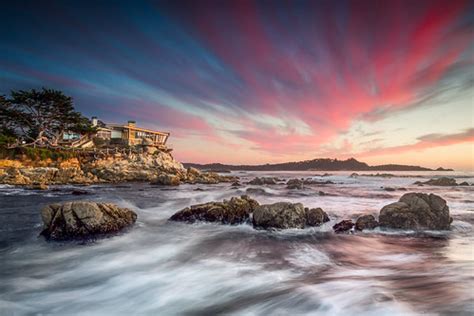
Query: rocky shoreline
[[159, 168], [87, 219]]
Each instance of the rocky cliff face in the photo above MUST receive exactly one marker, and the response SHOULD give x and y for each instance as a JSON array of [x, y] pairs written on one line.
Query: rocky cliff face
[[158, 167]]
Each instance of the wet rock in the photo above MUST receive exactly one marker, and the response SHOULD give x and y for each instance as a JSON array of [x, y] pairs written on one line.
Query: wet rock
[[401, 189], [416, 211], [354, 175], [167, 179], [343, 226], [366, 222], [264, 181], [234, 211], [321, 193], [198, 189], [316, 182], [84, 220], [79, 192], [464, 183], [281, 215], [294, 184], [444, 181], [316, 216], [255, 191], [39, 186], [389, 189], [235, 184]]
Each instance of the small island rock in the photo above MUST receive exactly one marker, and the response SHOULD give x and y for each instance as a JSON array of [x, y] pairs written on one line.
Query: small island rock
[[235, 211], [281, 215], [416, 211], [343, 226], [366, 222], [84, 219]]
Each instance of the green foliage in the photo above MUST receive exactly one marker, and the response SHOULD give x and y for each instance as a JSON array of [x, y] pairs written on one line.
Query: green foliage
[[41, 116], [6, 139], [35, 154]]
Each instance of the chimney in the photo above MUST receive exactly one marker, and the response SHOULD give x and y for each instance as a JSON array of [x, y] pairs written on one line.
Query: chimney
[[94, 120], [131, 123]]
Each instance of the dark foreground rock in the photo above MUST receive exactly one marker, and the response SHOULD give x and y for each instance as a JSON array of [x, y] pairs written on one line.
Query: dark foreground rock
[[284, 215], [235, 211], [444, 181], [281, 215], [416, 211], [343, 226], [366, 222], [316, 216], [84, 220]]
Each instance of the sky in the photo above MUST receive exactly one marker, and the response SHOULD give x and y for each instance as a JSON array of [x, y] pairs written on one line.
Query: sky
[[260, 82]]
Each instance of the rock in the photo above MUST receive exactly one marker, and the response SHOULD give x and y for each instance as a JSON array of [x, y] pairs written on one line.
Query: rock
[[264, 181], [281, 215], [84, 219], [321, 193], [255, 191], [39, 186], [354, 175], [316, 216], [79, 192], [366, 222], [167, 179], [416, 211], [235, 211], [464, 183], [235, 184], [293, 184], [389, 189], [311, 181], [439, 182], [402, 189], [343, 226]]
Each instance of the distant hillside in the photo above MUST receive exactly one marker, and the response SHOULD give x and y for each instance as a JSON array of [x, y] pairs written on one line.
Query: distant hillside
[[315, 164]]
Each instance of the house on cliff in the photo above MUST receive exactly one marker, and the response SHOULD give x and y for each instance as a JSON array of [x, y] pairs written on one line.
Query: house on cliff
[[116, 134]]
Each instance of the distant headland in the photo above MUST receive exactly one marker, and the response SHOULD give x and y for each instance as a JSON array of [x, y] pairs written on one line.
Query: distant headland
[[321, 164]]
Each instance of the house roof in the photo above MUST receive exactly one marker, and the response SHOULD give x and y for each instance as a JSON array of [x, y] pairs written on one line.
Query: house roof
[[137, 129]]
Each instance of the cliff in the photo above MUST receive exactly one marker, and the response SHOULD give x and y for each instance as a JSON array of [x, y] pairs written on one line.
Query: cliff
[[159, 167]]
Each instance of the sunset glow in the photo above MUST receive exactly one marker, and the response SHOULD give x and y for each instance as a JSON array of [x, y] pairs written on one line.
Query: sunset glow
[[257, 82]]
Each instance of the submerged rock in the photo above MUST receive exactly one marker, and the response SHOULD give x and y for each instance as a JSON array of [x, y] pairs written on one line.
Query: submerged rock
[[366, 222], [416, 211], [256, 191], [235, 211], [316, 216], [84, 219], [264, 181], [444, 181], [343, 226], [281, 215], [293, 184]]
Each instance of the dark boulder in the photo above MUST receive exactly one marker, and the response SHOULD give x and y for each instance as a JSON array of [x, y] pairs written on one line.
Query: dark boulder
[[316, 216], [416, 211], [464, 183], [235, 211], [281, 215], [343, 226], [84, 220], [389, 189], [294, 184], [366, 222]]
